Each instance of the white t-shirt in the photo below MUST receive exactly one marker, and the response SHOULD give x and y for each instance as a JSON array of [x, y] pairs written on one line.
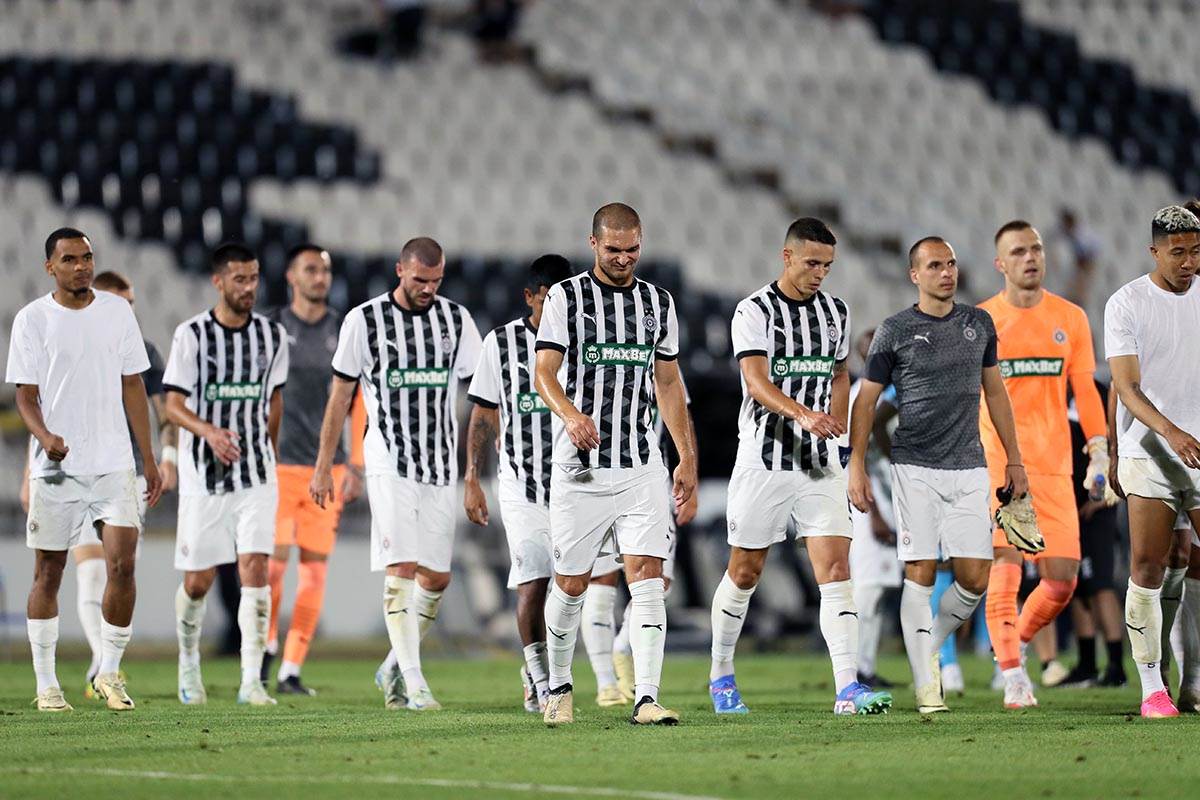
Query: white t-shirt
[[1159, 328], [76, 358]]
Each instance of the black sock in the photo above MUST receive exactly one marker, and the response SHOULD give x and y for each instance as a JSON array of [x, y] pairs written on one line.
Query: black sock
[[1116, 656], [1087, 654]]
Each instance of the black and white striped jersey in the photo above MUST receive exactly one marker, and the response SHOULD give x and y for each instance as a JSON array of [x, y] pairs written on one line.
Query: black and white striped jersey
[[504, 380], [802, 341], [610, 338], [408, 365], [228, 376]]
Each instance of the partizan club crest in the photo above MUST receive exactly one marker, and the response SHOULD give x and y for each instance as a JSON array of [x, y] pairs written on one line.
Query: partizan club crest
[[649, 323]]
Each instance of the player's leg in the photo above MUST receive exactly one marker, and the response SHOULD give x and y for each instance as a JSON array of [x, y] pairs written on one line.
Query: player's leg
[[253, 517], [623, 652], [1085, 672], [531, 627], [189, 617], [1151, 524], [952, 677], [1172, 588], [867, 599], [292, 481], [89, 594], [116, 625], [598, 631], [530, 556], [1189, 664], [276, 572], [42, 623]]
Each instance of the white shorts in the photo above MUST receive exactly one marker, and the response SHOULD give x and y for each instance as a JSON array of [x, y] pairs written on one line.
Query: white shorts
[[1171, 482], [941, 511], [88, 535], [872, 563], [216, 529], [609, 560], [527, 528], [762, 501], [61, 507], [585, 505], [411, 522]]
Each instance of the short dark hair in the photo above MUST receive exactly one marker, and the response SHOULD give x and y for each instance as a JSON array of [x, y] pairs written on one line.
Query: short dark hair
[[305, 247], [425, 250], [809, 229], [615, 217], [548, 270], [1173, 219], [62, 233], [1009, 227], [918, 244], [229, 252], [1193, 206], [109, 281]]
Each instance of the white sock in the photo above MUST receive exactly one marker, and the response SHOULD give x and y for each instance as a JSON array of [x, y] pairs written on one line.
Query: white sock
[[426, 603], [955, 608], [1143, 620], [916, 623], [254, 620], [649, 635], [621, 642], [1189, 665], [189, 615], [272, 647], [839, 626], [729, 606], [90, 578], [563, 613], [870, 624], [403, 630], [288, 669], [535, 662], [1172, 596], [43, 640], [114, 639], [597, 630], [389, 662]]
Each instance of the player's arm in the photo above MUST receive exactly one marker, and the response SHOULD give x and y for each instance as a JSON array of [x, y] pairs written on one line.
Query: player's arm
[[1092, 420], [685, 512], [579, 426], [1113, 438], [885, 412], [222, 441], [839, 400], [1001, 413], [30, 408], [275, 419], [771, 397], [858, 486], [137, 411], [168, 442], [672, 405], [481, 433], [1127, 381], [341, 395], [352, 484]]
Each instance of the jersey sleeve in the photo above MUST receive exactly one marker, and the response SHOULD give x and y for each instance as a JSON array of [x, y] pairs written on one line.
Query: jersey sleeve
[[279, 368], [1120, 332], [881, 358], [668, 343], [469, 346], [22, 354], [1083, 355], [182, 371], [153, 377], [350, 357], [552, 331], [485, 383], [749, 331], [990, 358], [843, 348], [133, 347]]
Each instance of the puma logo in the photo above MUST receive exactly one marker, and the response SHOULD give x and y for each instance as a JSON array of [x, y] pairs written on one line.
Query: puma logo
[[602, 624], [523, 367], [1141, 630], [848, 614], [399, 611], [925, 630], [556, 634], [922, 337], [957, 617], [730, 614], [425, 616], [659, 627], [1009, 624]]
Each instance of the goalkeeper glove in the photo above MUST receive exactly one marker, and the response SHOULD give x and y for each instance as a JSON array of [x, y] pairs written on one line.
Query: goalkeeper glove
[[1096, 480], [1016, 518]]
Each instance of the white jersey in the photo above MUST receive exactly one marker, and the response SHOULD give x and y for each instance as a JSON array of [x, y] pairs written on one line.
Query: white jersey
[[76, 358], [802, 342], [1158, 327], [408, 364], [228, 376], [610, 338], [504, 380]]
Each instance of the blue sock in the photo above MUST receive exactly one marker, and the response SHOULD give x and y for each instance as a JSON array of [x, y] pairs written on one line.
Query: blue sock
[[945, 578]]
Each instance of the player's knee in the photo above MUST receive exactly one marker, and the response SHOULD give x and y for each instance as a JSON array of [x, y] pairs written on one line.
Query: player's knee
[[120, 569], [745, 576], [573, 585], [197, 584], [434, 581], [975, 584], [47, 576]]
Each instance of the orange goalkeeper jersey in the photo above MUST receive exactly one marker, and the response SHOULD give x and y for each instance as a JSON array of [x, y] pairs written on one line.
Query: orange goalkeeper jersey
[[1039, 349]]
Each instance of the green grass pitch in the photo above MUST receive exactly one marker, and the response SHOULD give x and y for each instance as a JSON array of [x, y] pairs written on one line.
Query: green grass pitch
[[1080, 743]]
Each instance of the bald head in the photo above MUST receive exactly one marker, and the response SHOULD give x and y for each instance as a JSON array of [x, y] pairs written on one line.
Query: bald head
[[423, 250], [615, 217]]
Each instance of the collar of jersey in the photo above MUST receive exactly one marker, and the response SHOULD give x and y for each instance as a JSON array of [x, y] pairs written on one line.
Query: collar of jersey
[[409, 311], [931, 318], [797, 303], [212, 312], [606, 287], [528, 325]]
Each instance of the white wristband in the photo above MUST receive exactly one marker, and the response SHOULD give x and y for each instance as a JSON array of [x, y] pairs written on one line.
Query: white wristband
[[169, 455]]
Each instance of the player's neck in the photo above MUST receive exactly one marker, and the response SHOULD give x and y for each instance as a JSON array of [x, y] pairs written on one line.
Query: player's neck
[[309, 311], [790, 291], [1023, 298], [1160, 280], [601, 277], [534, 318], [73, 300], [230, 318], [932, 306]]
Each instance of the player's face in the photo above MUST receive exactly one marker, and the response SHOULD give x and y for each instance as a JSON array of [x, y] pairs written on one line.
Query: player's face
[[1177, 257], [935, 271], [617, 253], [1021, 256], [806, 265], [310, 274], [420, 282], [72, 264], [535, 300], [238, 285]]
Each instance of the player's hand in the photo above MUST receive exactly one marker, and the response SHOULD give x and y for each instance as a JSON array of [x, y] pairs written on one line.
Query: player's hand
[[683, 487], [882, 533], [352, 484], [858, 488], [224, 444], [1089, 509], [582, 431], [819, 424], [1113, 482], [154, 484], [320, 488], [170, 475], [1097, 469], [1186, 446], [1016, 480], [475, 502], [24, 494], [56, 449], [685, 512]]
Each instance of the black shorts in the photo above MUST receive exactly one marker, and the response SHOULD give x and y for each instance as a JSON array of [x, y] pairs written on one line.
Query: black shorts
[[1098, 543]]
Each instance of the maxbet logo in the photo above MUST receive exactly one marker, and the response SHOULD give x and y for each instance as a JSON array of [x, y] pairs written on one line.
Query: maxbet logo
[[1022, 367], [802, 366], [530, 403], [232, 391], [619, 355], [434, 377]]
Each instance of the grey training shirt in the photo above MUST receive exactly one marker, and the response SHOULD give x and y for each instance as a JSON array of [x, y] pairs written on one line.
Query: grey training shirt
[[310, 351], [936, 365]]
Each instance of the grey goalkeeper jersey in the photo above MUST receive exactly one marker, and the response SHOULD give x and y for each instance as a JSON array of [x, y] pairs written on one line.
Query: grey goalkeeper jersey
[[936, 365]]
